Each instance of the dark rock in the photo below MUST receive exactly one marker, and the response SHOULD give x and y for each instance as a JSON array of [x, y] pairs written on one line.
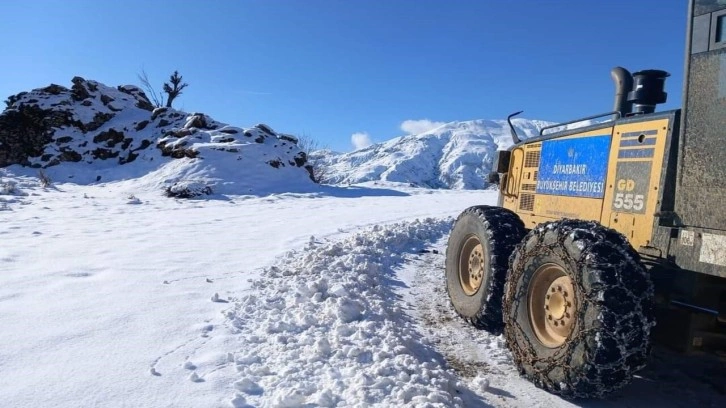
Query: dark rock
[[163, 123], [126, 143], [128, 159], [187, 190], [13, 99], [105, 99], [78, 90], [144, 104], [60, 119], [111, 137], [103, 154], [226, 140], [182, 132], [260, 139], [276, 163], [300, 159], [142, 101], [289, 138], [46, 157], [63, 139], [99, 119], [70, 156], [157, 112], [265, 129], [144, 144], [141, 125], [248, 133], [85, 103], [229, 131], [24, 132], [55, 89], [196, 121], [176, 151], [311, 172]]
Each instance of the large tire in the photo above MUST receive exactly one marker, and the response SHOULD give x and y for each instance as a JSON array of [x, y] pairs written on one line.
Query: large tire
[[603, 335], [477, 255]]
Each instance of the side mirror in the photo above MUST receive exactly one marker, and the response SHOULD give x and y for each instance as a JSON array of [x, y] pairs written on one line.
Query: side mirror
[[493, 177]]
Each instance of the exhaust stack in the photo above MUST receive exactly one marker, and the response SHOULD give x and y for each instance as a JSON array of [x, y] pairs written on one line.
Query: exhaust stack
[[648, 90], [623, 86]]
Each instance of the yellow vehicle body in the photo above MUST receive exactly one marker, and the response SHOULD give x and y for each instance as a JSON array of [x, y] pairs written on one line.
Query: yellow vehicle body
[[623, 197]]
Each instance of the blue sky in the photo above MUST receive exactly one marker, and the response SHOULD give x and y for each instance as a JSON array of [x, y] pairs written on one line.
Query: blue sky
[[332, 69]]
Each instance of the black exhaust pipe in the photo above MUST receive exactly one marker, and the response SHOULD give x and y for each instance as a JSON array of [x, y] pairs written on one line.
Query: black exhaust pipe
[[648, 90], [623, 86]]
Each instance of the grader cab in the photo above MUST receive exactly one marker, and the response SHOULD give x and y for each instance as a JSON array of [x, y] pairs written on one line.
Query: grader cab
[[607, 237]]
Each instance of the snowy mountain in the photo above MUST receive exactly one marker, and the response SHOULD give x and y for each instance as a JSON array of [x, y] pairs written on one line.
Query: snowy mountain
[[457, 155], [95, 133]]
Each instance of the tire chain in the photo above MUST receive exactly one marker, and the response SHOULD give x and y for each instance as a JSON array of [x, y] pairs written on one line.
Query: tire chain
[[633, 357]]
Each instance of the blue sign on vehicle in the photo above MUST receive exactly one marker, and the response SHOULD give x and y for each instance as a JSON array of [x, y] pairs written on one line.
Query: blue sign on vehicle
[[574, 167]]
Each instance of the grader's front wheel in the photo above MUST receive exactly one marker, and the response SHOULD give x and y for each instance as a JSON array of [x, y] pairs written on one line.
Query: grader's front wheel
[[577, 309], [477, 258], [472, 265]]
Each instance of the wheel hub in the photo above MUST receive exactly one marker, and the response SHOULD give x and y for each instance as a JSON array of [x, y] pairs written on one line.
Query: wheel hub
[[551, 305], [472, 265]]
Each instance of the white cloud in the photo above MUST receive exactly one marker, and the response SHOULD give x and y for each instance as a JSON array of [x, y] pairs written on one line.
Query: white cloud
[[414, 127], [361, 140]]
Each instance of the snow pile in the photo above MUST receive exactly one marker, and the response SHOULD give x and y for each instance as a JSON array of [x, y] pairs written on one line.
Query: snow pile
[[326, 328], [14, 190], [95, 133]]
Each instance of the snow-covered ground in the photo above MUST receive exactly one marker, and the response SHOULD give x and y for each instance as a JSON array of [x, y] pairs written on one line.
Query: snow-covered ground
[[112, 295]]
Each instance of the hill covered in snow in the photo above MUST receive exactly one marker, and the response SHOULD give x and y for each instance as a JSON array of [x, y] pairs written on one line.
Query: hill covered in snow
[[93, 133], [457, 155]]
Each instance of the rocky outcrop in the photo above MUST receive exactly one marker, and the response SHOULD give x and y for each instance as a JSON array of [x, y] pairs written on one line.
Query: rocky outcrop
[[91, 122], [55, 124]]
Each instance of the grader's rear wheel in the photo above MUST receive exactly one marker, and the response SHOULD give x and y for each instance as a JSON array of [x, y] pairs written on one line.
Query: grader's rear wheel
[[477, 256], [551, 304], [577, 309]]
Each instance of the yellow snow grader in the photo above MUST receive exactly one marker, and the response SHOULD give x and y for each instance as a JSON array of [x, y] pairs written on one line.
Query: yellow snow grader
[[608, 237]]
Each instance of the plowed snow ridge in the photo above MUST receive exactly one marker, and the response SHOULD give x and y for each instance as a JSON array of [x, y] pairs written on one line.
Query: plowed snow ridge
[[325, 328]]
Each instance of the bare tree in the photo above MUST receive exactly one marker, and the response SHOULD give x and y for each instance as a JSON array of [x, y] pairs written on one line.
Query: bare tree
[[156, 99], [308, 145], [175, 89]]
